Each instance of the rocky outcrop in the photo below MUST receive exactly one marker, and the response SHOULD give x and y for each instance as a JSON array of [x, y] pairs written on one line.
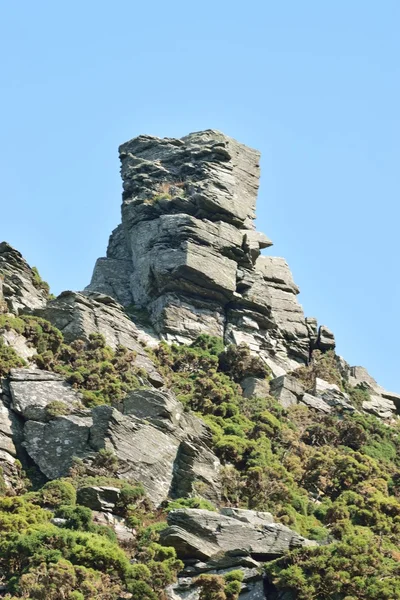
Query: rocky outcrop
[[188, 254], [20, 287], [155, 441], [332, 395], [33, 390], [159, 445], [381, 403], [78, 315], [287, 390], [100, 498], [216, 542], [203, 534], [255, 387], [325, 397]]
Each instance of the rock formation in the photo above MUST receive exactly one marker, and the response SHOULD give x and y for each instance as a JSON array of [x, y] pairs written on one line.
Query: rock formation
[[188, 254], [186, 260], [20, 285], [156, 443], [212, 542]]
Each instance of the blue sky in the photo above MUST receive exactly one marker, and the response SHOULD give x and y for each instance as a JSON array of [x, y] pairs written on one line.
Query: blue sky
[[314, 85]]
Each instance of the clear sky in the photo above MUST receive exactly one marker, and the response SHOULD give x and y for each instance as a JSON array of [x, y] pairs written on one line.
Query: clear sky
[[314, 85]]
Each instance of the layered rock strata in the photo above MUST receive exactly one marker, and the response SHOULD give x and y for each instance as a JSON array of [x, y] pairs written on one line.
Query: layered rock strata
[[155, 441], [218, 542], [20, 287], [188, 254]]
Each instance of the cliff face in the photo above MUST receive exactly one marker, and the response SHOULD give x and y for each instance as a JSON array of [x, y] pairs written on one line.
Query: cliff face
[[187, 251]]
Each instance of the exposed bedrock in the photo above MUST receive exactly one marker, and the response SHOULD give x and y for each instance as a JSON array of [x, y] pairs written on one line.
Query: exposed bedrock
[[187, 252], [156, 442]]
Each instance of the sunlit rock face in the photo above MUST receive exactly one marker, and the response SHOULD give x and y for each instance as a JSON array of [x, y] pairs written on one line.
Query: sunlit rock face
[[187, 252]]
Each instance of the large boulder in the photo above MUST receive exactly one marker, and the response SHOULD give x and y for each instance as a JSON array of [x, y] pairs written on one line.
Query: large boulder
[[326, 339], [287, 390], [381, 407], [54, 445], [332, 395], [255, 387], [33, 390], [203, 534], [99, 497]]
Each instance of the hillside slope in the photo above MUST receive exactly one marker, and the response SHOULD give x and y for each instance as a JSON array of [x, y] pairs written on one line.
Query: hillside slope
[[180, 430]]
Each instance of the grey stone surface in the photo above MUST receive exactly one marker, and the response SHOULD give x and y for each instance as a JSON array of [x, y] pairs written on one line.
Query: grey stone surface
[[187, 251], [18, 343], [159, 445], [326, 339], [252, 584], [9, 427], [332, 395], [265, 314], [197, 533], [125, 535], [383, 408], [254, 517], [254, 387], [99, 497], [156, 442], [287, 390], [53, 445], [312, 326], [32, 390], [145, 453], [18, 289], [316, 403], [78, 315]]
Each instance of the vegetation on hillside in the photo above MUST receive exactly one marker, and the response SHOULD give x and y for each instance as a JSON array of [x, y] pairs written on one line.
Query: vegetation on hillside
[[333, 478]]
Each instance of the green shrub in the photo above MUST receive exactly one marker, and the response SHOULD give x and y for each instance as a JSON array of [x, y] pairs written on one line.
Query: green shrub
[[190, 503], [38, 281], [238, 363], [57, 493]]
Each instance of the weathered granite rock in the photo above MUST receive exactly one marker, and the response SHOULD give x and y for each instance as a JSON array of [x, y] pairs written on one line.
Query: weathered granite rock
[[197, 533], [188, 254], [125, 535], [181, 318], [53, 445], [265, 315], [252, 587], [254, 387], [156, 442], [78, 315], [9, 427], [18, 343], [165, 449], [326, 339], [332, 395], [19, 289], [380, 407], [383, 404], [287, 390], [359, 376], [312, 326], [145, 453], [253, 517], [99, 497], [315, 403], [32, 390]]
